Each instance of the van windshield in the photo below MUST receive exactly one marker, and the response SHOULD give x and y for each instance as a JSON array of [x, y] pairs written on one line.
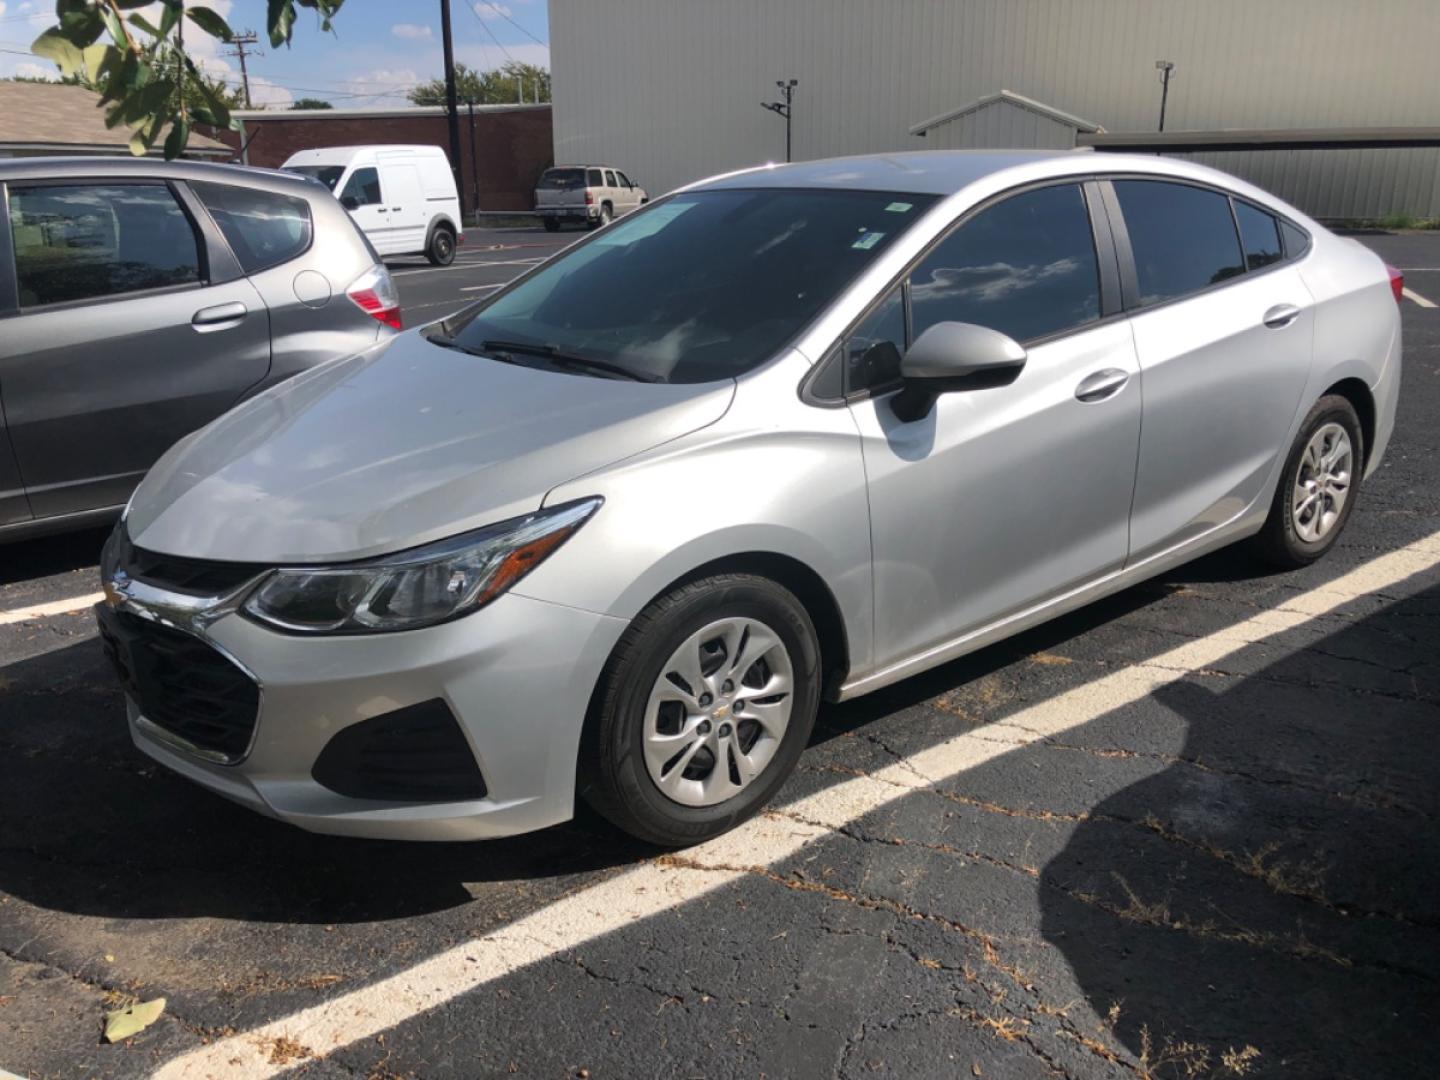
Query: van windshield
[[703, 285], [329, 175], [562, 179]]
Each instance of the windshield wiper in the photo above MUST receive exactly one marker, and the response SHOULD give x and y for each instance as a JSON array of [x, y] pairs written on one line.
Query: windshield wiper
[[556, 356]]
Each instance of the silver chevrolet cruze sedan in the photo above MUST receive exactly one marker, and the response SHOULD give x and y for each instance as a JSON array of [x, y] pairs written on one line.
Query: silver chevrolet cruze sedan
[[787, 435]]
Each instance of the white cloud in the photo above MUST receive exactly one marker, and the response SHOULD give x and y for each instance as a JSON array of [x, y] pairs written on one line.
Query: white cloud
[[264, 94], [411, 32], [381, 88], [486, 9]]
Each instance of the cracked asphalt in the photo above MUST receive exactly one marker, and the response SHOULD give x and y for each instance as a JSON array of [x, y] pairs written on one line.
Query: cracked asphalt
[[1237, 875]]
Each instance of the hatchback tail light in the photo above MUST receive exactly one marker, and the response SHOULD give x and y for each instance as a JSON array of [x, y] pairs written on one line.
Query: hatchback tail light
[[374, 293], [1397, 282]]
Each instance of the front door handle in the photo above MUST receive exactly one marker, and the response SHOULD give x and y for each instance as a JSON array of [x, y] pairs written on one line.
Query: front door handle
[[219, 317], [1104, 383], [1281, 315], [396, 209]]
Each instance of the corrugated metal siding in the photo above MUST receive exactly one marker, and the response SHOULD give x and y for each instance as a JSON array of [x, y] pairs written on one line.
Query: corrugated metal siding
[[670, 90], [999, 125]]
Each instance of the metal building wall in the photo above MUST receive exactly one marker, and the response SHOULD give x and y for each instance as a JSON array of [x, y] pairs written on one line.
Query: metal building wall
[[999, 124], [670, 89]]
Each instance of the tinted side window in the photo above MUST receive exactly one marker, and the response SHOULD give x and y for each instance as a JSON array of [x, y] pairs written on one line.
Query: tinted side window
[[609, 178], [592, 178], [1025, 267], [263, 228], [1183, 237], [1297, 241], [86, 241], [362, 189], [873, 349], [624, 180], [1259, 234]]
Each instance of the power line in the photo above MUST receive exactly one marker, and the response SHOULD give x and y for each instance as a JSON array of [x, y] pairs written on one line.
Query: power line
[[485, 26], [499, 10]]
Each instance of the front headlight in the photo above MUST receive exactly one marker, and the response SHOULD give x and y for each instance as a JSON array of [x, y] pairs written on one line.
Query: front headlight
[[419, 587]]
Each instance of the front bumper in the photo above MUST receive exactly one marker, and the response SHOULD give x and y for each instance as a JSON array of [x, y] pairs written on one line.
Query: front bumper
[[517, 676]]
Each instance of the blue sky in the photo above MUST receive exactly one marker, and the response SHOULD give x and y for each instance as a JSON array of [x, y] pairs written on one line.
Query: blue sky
[[378, 50]]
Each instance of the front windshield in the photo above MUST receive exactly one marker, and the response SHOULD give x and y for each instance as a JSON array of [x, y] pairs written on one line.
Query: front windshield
[[704, 285], [329, 175]]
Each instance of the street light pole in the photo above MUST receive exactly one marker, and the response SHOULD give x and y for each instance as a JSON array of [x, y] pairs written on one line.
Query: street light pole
[[784, 108], [1165, 67], [474, 164]]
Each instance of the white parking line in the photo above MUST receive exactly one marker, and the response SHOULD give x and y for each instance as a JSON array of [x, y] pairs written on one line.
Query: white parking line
[[477, 288], [1411, 294], [77, 604], [655, 887]]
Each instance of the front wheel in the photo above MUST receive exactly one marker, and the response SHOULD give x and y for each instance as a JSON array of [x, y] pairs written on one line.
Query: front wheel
[[441, 251], [705, 707], [1318, 487]]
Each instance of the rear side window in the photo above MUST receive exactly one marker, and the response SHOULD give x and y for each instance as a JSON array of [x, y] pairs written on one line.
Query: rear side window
[[1297, 240], [92, 241], [1025, 267], [1183, 237], [263, 228], [594, 179], [362, 189], [609, 178], [1259, 235]]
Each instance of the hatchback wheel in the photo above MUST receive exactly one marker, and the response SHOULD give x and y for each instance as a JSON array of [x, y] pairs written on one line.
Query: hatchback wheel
[[1318, 487], [705, 707], [441, 251]]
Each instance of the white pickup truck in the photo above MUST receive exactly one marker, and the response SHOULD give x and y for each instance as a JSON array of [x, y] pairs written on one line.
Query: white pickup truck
[[587, 194]]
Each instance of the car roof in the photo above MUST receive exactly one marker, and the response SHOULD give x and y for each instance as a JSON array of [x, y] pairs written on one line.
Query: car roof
[[123, 167], [946, 172]]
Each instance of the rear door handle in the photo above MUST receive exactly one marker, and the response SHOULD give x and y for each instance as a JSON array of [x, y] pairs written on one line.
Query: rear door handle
[[219, 317], [1281, 315], [1102, 384]]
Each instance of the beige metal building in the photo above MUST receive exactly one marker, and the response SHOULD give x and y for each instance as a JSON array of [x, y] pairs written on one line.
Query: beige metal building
[[670, 90]]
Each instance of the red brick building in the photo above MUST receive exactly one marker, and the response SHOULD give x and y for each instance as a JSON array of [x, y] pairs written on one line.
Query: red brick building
[[512, 142]]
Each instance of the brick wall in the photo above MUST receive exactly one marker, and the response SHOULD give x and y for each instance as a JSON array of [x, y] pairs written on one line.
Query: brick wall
[[513, 145]]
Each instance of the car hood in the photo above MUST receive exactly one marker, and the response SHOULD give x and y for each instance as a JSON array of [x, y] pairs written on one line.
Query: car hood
[[406, 443]]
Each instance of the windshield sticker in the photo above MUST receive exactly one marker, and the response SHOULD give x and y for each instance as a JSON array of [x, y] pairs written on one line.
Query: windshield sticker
[[868, 241], [900, 207]]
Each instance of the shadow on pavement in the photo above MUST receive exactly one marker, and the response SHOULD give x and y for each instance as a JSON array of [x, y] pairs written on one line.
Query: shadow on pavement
[[41, 557], [1277, 886]]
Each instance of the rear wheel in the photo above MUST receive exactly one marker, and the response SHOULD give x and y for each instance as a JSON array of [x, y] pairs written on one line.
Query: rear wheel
[[441, 251], [705, 707], [552, 224], [1318, 487]]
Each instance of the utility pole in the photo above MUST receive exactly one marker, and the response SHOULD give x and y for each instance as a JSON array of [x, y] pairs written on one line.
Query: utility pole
[[240, 41], [1165, 67], [785, 108], [474, 163], [452, 109]]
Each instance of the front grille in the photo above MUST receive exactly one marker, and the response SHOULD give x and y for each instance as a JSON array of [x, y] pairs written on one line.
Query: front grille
[[195, 577], [182, 684]]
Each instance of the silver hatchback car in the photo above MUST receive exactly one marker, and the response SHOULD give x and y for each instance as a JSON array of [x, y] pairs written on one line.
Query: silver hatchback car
[[787, 435]]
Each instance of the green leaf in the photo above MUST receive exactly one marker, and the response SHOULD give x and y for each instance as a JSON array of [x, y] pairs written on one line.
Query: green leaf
[[170, 16], [176, 140], [280, 21], [210, 22], [95, 59], [145, 24], [130, 5], [122, 1023], [113, 23], [55, 46]]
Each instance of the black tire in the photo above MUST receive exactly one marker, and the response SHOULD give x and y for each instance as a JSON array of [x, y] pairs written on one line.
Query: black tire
[[441, 249], [552, 224], [613, 777], [603, 218], [1278, 542]]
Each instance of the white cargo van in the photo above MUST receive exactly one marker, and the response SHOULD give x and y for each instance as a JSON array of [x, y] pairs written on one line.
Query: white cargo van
[[402, 197]]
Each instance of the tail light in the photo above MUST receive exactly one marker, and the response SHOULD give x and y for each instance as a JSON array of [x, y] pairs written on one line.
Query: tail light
[[1397, 282], [589, 198], [374, 293]]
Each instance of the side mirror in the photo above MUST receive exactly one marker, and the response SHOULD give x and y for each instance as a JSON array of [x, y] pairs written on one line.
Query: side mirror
[[954, 356]]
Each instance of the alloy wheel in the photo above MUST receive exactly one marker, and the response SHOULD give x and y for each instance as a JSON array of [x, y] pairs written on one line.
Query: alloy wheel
[[1322, 483], [717, 713]]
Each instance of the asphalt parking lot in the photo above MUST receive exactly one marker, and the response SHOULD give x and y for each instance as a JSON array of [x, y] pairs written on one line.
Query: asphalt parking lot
[[1187, 832]]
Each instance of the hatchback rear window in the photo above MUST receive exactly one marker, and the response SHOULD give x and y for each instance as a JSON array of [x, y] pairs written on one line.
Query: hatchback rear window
[[264, 228], [562, 179]]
